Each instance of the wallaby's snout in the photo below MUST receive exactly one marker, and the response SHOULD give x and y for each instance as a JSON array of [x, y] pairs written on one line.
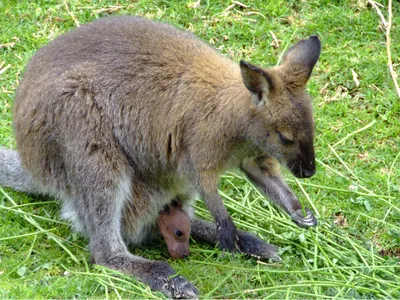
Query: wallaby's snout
[[304, 164]]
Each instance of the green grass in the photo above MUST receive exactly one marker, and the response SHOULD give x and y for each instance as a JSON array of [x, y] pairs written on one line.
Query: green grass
[[355, 250]]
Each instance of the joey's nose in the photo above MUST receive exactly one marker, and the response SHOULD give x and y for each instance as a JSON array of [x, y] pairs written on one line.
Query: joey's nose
[[185, 254]]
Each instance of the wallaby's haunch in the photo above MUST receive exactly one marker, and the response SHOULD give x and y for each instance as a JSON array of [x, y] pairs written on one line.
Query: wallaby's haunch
[[125, 108]]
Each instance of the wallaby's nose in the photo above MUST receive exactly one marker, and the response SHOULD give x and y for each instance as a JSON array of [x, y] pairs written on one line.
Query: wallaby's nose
[[307, 159], [308, 173], [309, 170]]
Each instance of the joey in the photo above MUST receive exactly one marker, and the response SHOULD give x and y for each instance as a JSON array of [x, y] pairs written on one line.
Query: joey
[[174, 225]]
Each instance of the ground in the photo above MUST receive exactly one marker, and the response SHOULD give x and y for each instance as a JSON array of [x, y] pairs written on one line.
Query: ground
[[354, 251]]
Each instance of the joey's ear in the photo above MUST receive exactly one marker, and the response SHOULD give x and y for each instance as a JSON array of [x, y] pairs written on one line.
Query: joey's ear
[[257, 81], [303, 56]]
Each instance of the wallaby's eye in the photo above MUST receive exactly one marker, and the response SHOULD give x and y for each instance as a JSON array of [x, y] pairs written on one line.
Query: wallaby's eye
[[178, 233], [284, 140]]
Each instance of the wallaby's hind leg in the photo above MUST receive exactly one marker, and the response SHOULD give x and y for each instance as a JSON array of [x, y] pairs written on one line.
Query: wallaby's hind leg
[[247, 243], [264, 173], [98, 199]]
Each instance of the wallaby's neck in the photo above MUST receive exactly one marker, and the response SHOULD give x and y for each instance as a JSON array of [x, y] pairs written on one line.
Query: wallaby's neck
[[221, 105]]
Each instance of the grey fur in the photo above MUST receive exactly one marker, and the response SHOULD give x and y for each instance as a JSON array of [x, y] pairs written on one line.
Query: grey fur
[[12, 174], [122, 115]]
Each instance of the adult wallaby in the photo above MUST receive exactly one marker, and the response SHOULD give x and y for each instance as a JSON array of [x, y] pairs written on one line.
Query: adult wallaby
[[125, 108]]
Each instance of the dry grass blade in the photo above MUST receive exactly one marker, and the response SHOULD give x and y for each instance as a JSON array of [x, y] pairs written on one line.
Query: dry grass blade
[[387, 25], [353, 133], [389, 53], [71, 14]]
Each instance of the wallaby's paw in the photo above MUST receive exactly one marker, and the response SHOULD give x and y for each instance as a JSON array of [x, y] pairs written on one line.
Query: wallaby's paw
[[304, 221], [162, 279], [253, 246], [227, 235], [179, 288]]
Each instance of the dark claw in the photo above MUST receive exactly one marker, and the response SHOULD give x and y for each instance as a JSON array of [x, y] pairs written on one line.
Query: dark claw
[[304, 221]]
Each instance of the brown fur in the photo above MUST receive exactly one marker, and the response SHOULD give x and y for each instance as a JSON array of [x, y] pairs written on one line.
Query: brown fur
[[121, 115]]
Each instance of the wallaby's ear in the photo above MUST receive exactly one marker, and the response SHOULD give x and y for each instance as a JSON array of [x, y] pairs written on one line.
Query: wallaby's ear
[[303, 56], [257, 81]]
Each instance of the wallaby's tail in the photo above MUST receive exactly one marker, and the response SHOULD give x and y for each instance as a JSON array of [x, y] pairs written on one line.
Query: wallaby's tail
[[12, 175]]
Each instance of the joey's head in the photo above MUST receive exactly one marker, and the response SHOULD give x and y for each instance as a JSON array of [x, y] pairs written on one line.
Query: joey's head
[[174, 225], [281, 120]]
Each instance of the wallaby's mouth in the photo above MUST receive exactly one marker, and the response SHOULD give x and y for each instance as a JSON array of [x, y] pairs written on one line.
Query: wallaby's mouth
[[303, 166], [302, 173], [300, 169]]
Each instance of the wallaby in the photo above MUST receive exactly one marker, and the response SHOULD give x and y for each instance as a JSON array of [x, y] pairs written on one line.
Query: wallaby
[[174, 225], [126, 108]]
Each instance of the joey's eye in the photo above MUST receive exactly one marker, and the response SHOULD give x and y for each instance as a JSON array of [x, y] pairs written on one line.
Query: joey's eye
[[178, 233], [284, 140]]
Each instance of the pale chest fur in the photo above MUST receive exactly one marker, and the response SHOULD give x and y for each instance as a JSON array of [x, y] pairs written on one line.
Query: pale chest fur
[[144, 204]]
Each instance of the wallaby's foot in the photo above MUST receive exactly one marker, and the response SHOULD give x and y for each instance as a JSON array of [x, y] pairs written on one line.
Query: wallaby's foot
[[253, 246], [174, 287], [157, 274], [227, 235], [304, 221]]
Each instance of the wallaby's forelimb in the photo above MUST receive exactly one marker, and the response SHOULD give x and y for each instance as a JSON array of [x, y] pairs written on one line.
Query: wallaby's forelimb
[[226, 230], [264, 173]]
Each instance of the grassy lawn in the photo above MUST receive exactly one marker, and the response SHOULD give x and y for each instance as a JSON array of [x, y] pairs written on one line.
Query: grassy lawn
[[355, 250]]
